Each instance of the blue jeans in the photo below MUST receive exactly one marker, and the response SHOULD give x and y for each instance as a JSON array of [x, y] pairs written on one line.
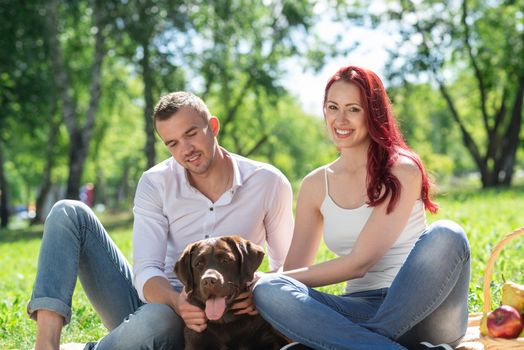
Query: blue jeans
[[427, 301], [76, 244]]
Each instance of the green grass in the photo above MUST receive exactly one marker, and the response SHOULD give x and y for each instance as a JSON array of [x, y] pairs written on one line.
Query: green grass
[[485, 215]]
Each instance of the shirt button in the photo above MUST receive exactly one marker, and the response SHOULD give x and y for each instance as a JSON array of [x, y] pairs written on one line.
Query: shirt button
[[211, 209]]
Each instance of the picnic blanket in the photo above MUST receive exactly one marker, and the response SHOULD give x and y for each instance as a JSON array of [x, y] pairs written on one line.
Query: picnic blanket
[[471, 340]]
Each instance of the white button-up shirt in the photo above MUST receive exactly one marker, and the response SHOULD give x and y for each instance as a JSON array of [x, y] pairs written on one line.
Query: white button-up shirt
[[169, 214]]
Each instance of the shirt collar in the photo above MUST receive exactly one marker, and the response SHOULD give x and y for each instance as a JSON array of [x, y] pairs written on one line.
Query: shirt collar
[[243, 168]]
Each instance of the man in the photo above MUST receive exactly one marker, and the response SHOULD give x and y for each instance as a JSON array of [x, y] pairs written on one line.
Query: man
[[202, 191]]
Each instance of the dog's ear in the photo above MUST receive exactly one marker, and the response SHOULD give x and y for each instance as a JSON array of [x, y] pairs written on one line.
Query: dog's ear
[[184, 270], [251, 256]]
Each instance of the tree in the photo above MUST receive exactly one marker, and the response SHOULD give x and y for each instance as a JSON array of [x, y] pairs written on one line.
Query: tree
[[118, 136], [78, 85], [26, 101], [240, 64], [79, 127], [47, 183], [427, 127], [145, 23], [467, 42]]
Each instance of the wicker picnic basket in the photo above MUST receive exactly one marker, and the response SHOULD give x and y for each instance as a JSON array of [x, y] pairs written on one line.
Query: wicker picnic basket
[[489, 342]]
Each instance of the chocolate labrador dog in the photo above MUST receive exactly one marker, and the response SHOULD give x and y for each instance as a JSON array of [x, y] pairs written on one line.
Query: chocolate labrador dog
[[214, 272]]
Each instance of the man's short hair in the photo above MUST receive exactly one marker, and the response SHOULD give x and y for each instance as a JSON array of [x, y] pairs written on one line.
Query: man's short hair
[[171, 103]]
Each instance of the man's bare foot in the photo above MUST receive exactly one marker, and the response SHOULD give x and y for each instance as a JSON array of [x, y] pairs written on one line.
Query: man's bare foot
[[49, 327]]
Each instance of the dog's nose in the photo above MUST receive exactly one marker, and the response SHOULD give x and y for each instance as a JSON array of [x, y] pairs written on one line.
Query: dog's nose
[[209, 281], [212, 278]]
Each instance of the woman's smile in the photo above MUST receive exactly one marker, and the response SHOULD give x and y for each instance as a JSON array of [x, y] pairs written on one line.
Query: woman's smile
[[343, 133]]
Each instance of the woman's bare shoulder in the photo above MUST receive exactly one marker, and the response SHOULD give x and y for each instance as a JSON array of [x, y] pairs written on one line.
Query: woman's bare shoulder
[[406, 169], [315, 177], [313, 186]]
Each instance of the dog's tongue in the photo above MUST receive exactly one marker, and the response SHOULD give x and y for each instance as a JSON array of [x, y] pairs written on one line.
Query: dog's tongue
[[215, 308]]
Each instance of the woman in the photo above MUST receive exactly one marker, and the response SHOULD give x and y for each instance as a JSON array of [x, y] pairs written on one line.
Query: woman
[[407, 283]]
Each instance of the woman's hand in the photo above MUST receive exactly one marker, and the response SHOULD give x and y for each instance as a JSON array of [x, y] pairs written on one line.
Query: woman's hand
[[193, 316], [256, 276]]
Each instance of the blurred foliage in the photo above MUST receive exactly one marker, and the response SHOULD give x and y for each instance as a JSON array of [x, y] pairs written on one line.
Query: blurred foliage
[[428, 129], [230, 57], [236, 60], [471, 58]]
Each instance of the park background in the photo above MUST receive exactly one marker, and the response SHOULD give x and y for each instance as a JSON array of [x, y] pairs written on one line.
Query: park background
[[79, 80]]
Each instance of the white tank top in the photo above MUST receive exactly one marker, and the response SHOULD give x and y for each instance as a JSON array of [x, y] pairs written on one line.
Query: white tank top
[[343, 226]]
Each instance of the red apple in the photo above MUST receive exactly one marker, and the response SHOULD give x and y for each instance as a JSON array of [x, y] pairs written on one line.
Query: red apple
[[504, 322]]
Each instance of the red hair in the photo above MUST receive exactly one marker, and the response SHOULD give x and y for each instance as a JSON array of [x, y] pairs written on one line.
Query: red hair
[[387, 142]]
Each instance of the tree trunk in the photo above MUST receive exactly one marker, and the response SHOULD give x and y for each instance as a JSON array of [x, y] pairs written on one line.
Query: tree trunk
[[148, 107], [45, 187], [512, 139], [79, 136], [4, 209], [77, 156], [501, 172], [100, 187], [123, 189]]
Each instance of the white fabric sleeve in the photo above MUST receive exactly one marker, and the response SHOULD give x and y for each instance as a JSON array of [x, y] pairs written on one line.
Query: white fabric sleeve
[[279, 221], [150, 234]]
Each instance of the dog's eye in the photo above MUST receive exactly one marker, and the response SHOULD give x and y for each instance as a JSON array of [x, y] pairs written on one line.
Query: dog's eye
[[225, 260], [199, 265]]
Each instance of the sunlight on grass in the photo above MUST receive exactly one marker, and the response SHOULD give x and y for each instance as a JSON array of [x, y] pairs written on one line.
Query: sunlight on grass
[[485, 215]]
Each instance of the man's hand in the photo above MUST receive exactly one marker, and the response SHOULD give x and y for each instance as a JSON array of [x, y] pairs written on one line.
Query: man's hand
[[193, 316], [244, 304]]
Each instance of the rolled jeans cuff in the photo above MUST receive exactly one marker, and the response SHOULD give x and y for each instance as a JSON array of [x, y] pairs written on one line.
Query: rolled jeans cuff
[[50, 304]]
